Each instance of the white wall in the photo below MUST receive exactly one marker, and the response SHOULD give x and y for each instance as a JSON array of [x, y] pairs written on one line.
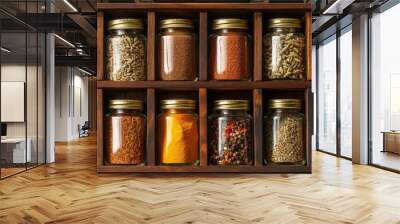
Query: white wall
[[71, 102]]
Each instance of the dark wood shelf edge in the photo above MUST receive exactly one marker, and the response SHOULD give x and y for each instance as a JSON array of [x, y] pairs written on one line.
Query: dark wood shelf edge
[[204, 6], [204, 84], [204, 169]]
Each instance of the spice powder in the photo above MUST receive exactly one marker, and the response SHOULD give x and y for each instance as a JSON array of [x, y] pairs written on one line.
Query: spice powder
[[178, 136]]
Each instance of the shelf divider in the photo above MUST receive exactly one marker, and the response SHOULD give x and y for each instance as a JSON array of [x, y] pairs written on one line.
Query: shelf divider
[[258, 126], [203, 126], [100, 130], [309, 116], [203, 55], [151, 127], [308, 35], [151, 41], [257, 47], [100, 46]]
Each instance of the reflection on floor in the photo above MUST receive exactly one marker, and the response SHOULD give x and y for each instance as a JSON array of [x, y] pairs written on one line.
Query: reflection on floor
[[70, 191], [12, 169], [386, 159]]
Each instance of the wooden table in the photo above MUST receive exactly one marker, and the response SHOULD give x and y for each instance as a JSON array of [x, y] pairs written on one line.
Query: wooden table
[[391, 141]]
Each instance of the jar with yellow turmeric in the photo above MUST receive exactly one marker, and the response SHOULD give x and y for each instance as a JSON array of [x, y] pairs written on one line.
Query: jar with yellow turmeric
[[178, 133]]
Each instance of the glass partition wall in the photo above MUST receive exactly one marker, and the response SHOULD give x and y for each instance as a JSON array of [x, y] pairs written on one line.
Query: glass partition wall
[[334, 94], [22, 88], [385, 89]]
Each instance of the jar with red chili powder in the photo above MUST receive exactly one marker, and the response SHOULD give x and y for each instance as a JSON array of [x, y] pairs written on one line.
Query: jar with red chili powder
[[230, 50]]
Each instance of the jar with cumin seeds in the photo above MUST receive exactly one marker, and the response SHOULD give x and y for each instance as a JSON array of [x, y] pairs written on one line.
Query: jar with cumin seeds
[[230, 50], [125, 138], [230, 134], [284, 50], [178, 133], [126, 50], [178, 50], [284, 139]]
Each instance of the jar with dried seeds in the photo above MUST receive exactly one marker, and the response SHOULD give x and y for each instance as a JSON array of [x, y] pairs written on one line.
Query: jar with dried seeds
[[284, 138], [284, 49], [177, 50], [125, 128], [230, 133], [126, 50]]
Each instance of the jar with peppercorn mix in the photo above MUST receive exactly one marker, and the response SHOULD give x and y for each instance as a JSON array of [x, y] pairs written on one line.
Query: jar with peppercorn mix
[[230, 133], [284, 132], [178, 50], [284, 49], [230, 50], [125, 138], [178, 133]]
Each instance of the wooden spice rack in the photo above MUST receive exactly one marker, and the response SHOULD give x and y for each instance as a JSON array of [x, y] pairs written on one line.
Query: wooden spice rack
[[204, 91]]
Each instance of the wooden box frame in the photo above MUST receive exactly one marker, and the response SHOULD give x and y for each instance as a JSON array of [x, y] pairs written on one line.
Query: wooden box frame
[[259, 89]]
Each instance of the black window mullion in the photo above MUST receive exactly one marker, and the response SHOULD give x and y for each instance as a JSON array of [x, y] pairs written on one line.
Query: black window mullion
[[338, 93]]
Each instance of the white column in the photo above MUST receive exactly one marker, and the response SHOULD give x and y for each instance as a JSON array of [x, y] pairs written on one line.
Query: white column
[[360, 90], [50, 100]]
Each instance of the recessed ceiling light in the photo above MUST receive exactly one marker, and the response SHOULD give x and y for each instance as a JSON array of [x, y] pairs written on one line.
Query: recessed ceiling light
[[5, 50], [64, 40], [84, 71], [70, 5]]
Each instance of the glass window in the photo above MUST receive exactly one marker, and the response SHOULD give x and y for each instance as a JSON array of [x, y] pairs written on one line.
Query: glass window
[[385, 89], [346, 92], [326, 96]]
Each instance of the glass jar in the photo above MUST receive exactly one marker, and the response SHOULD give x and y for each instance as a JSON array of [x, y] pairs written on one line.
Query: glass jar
[[126, 50], [125, 127], [230, 50], [230, 133], [284, 132], [178, 133], [284, 50], [178, 50]]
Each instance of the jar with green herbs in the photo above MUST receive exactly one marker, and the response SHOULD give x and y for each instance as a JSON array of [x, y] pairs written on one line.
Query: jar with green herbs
[[284, 138], [230, 133], [125, 133], [284, 50], [126, 50], [177, 50]]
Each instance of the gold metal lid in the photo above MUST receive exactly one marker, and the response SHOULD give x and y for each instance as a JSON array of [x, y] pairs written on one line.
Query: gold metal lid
[[120, 24], [176, 23], [284, 104], [231, 105], [126, 104], [178, 104], [230, 23], [284, 23]]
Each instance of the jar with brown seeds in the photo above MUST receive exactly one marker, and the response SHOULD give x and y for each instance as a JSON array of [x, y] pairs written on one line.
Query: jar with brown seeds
[[125, 128], [284, 50], [284, 139], [126, 50]]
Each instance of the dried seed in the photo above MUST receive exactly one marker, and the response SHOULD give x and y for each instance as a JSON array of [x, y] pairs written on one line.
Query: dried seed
[[126, 58], [287, 61]]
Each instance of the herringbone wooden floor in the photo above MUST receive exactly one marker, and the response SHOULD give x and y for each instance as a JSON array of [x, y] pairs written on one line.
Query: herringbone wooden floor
[[71, 191]]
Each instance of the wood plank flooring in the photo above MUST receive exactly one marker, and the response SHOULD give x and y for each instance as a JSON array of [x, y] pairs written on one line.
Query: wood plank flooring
[[70, 191]]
